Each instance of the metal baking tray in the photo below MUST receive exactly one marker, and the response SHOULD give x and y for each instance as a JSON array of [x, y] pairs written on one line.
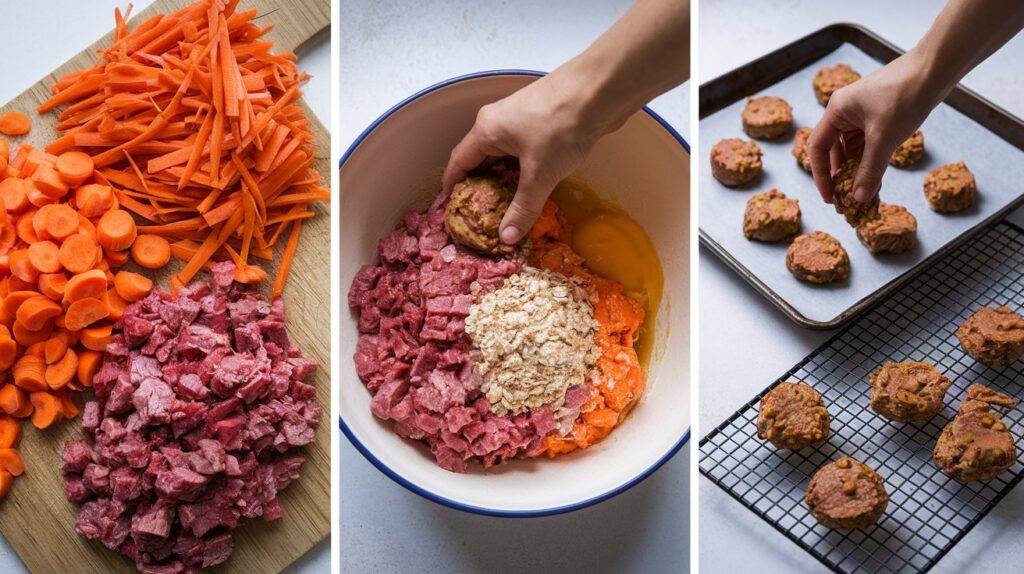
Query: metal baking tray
[[928, 512], [965, 127]]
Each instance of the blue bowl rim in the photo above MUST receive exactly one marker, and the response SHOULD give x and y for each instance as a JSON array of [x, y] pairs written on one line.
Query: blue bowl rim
[[447, 501]]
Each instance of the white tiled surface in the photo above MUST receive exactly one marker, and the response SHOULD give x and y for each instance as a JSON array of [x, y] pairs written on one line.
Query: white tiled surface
[[36, 37], [389, 50], [731, 537]]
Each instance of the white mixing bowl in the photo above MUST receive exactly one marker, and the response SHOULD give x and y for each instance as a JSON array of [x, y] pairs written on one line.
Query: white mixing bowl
[[395, 165]]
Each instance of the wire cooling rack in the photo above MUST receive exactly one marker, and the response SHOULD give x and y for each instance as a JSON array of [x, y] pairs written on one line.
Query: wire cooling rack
[[928, 512]]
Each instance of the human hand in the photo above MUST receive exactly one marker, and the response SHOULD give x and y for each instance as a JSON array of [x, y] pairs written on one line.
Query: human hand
[[546, 126], [869, 119]]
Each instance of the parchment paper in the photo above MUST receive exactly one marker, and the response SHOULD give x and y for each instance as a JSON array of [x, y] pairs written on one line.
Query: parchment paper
[[949, 136]]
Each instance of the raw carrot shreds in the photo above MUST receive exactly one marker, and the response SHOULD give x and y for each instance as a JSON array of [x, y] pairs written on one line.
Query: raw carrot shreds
[[193, 124]]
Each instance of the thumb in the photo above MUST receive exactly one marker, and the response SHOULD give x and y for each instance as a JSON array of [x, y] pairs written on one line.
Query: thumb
[[526, 206], [868, 181]]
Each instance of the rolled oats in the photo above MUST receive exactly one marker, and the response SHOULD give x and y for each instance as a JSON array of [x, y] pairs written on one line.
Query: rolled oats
[[533, 338]]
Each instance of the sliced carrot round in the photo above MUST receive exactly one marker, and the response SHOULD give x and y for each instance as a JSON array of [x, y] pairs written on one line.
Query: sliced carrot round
[[74, 167], [14, 124], [60, 220], [79, 253], [116, 230], [12, 193], [43, 256], [85, 312], [151, 251]]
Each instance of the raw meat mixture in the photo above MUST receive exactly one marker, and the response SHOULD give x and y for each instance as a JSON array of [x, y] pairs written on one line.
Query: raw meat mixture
[[200, 406], [413, 352]]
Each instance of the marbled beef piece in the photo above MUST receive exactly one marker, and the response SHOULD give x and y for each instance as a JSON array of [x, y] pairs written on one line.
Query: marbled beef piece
[[199, 409]]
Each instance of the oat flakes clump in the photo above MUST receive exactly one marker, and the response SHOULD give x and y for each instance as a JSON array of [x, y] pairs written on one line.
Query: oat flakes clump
[[533, 338]]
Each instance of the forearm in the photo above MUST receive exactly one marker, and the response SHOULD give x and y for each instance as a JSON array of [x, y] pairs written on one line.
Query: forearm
[[645, 54], [964, 34]]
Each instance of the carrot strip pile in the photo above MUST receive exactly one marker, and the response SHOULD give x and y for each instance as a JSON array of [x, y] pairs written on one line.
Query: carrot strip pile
[[194, 124], [63, 235]]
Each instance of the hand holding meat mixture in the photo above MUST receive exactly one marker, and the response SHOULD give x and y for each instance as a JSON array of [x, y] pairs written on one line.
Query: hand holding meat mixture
[[874, 116]]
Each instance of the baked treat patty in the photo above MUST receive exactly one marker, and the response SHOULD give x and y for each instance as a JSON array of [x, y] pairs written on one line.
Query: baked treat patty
[[771, 216], [895, 230], [909, 152], [828, 80], [994, 337], [976, 445], [800, 148], [793, 416], [855, 212], [735, 162], [908, 391], [767, 117], [950, 188], [817, 257], [846, 494]]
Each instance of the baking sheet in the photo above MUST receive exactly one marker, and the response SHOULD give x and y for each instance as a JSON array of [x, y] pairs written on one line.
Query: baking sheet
[[949, 136]]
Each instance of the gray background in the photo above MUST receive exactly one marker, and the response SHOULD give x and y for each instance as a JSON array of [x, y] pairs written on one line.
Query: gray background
[[36, 37], [731, 537], [389, 50]]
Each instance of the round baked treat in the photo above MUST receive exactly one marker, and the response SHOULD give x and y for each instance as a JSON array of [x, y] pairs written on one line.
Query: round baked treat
[[846, 494], [909, 152], [735, 162], [855, 212], [950, 188], [800, 148], [793, 416], [895, 230], [976, 444], [767, 117], [817, 257], [771, 216], [908, 391], [474, 213], [828, 80], [994, 337]]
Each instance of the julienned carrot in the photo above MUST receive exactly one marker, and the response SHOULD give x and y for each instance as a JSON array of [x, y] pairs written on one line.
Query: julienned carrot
[[132, 286], [190, 127], [14, 124], [47, 409], [151, 251]]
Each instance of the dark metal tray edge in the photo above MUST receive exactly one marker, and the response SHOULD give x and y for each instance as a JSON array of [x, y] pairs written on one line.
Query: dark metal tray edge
[[720, 92]]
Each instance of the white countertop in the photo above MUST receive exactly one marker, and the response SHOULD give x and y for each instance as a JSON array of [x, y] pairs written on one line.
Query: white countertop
[[731, 537], [390, 50], [36, 37]]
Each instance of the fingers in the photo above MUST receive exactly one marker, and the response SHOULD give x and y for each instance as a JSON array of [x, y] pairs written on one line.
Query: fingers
[[868, 180], [819, 147], [467, 155], [526, 205]]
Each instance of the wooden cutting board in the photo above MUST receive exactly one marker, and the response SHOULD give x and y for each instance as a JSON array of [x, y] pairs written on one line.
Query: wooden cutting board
[[37, 520]]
